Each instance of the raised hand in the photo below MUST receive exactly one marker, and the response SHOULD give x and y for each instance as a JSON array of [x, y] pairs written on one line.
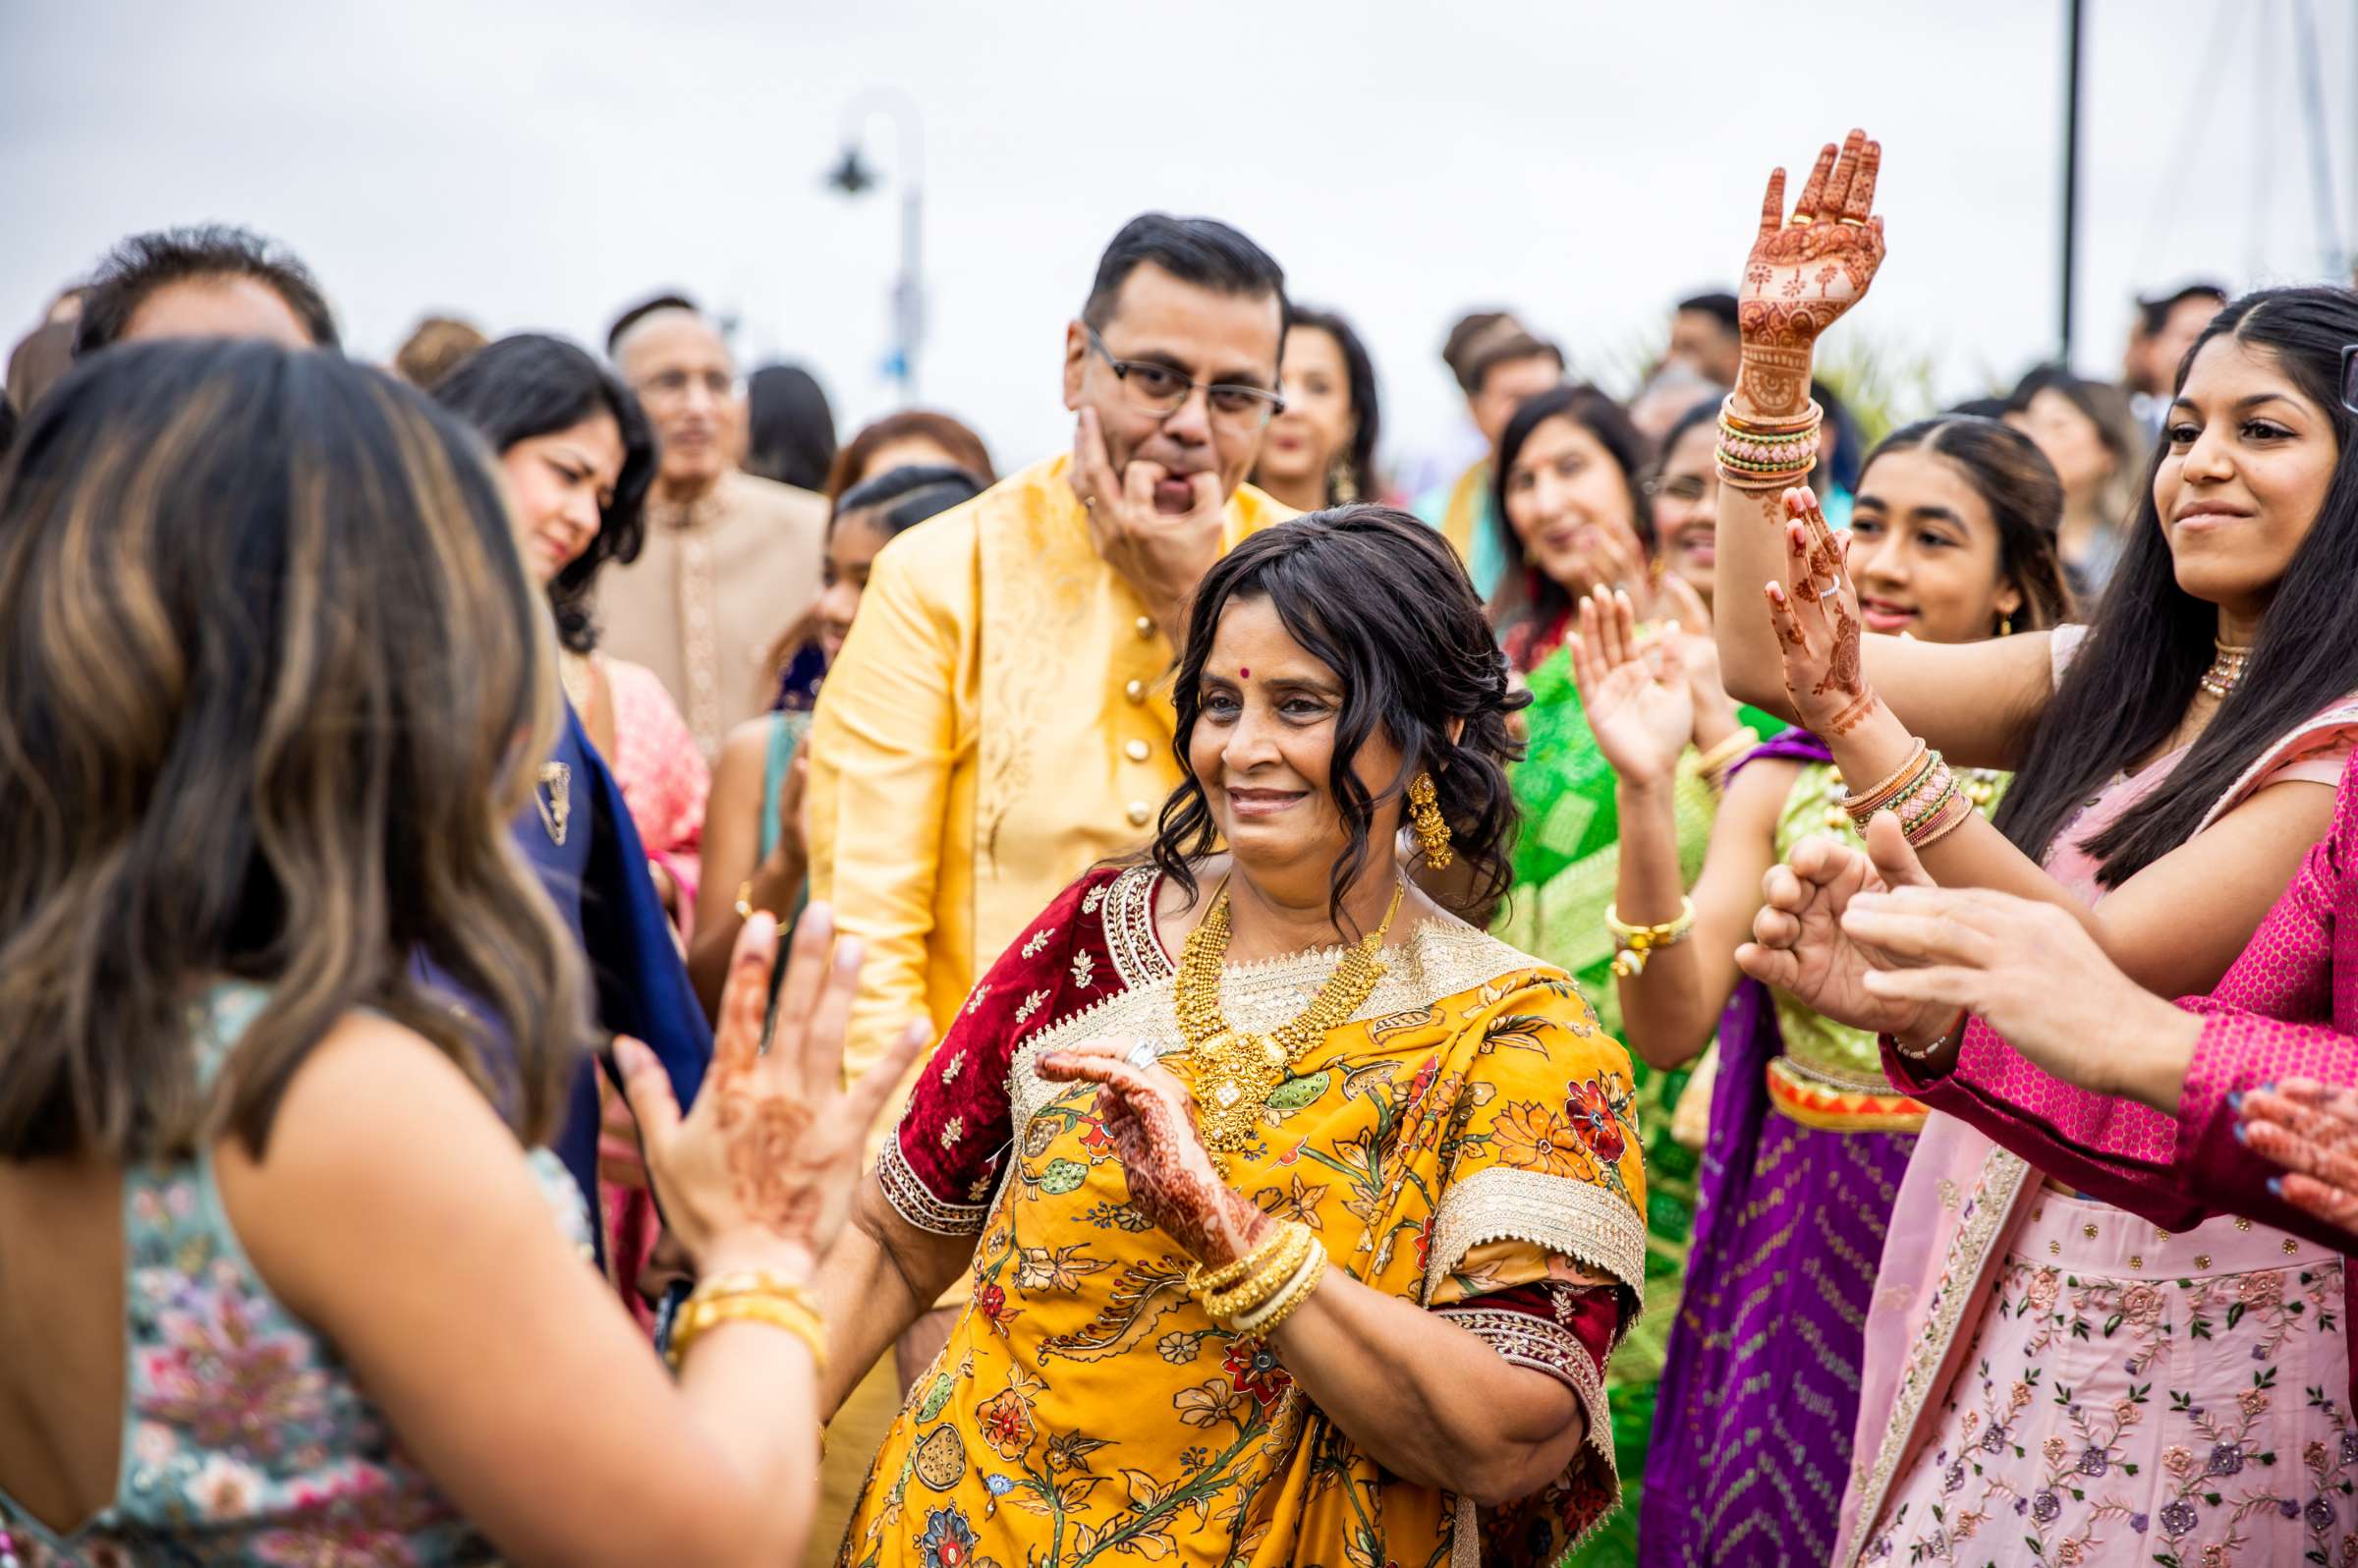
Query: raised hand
[[1805, 271], [1817, 624], [765, 1163], [1800, 946], [1162, 557], [1151, 1117], [2311, 1129], [1637, 700]]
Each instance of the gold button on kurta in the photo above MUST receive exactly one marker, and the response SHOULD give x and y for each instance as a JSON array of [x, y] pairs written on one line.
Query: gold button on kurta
[[1136, 692], [1136, 750], [1140, 811]]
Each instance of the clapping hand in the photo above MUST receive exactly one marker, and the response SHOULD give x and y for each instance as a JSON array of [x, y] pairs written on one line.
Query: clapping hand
[[1816, 623], [1800, 944], [1636, 698]]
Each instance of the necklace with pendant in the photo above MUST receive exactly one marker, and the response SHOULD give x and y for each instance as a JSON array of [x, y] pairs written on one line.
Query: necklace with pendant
[[556, 805], [1232, 1071]]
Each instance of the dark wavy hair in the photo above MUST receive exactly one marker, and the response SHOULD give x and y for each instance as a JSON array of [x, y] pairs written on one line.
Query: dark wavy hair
[[2018, 486], [1379, 599], [319, 704], [1526, 593], [790, 430], [532, 384], [2151, 640], [143, 264]]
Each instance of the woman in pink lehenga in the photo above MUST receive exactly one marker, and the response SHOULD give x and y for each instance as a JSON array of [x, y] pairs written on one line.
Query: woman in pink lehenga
[[2047, 1373]]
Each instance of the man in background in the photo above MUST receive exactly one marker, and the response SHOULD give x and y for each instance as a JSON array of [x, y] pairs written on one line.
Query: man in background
[[730, 560], [1704, 337], [1498, 364], [2166, 327]]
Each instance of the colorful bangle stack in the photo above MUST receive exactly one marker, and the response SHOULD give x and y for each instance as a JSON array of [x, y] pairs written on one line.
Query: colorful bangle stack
[[1633, 944], [751, 1296], [1764, 454], [1922, 792], [1259, 1290]]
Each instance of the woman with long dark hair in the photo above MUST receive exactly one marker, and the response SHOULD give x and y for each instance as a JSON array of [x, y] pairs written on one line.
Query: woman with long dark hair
[[1953, 540], [2172, 766], [579, 458], [1320, 452], [1311, 1204], [278, 1278]]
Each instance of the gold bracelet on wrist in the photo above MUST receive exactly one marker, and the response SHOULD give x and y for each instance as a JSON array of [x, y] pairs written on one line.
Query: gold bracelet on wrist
[[1938, 1045], [1201, 1281], [1713, 763], [745, 900], [1225, 1308], [754, 1282], [1633, 944], [1300, 1287], [789, 1313]]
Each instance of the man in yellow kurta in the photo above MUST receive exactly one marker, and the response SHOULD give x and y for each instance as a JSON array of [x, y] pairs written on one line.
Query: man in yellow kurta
[[997, 721]]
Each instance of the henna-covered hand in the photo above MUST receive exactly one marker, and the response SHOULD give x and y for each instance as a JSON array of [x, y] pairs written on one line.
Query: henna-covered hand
[[1151, 1117], [2311, 1129], [768, 1159], [1802, 275], [1816, 622]]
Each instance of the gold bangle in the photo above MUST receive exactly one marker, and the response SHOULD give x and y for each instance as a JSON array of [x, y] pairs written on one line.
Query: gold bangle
[[1300, 1288], [1957, 809], [754, 1282], [1225, 1307], [779, 1312], [1736, 743], [1633, 944], [1203, 1282], [1812, 415], [745, 900]]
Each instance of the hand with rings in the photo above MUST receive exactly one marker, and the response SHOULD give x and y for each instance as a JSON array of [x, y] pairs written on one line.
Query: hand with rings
[[1816, 615], [1804, 273]]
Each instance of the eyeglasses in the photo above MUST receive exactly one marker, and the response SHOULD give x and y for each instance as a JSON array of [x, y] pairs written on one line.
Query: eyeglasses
[[2349, 378], [1688, 489], [665, 386], [1159, 390]]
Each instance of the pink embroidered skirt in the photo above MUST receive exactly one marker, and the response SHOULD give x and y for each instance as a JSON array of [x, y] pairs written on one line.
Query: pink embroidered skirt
[[2133, 1397]]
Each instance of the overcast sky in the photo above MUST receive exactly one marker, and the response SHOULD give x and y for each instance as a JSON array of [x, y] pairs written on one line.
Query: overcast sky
[[1586, 163]]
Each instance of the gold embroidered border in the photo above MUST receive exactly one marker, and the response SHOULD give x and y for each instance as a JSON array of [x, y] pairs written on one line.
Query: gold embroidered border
[[1992, 1200], [911, 1200], [1573, 1217], [1796, 1095], [1544, 1347], [1130, 926]]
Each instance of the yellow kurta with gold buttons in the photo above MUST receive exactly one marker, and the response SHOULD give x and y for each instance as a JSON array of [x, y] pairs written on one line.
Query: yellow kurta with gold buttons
[[999, 720]]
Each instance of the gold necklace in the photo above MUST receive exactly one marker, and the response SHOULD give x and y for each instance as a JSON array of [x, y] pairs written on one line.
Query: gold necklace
[[556, 806], [1231, 1071], [2227, 668]]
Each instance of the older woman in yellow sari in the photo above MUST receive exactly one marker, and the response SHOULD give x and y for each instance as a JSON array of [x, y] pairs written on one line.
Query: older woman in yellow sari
[[1303, 1214]]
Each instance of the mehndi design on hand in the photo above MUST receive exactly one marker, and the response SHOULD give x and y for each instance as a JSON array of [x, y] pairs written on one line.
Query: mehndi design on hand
[[1802, 275]]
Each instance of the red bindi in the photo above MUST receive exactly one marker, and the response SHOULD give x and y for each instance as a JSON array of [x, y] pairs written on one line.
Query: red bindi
[[1244, 674]]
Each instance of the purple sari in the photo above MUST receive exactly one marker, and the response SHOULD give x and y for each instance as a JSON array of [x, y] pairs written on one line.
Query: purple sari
[[1760, 1394]]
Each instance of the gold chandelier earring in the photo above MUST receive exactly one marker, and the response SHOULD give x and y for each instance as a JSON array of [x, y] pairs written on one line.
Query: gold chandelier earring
[[1343, 482], [1432, 833]]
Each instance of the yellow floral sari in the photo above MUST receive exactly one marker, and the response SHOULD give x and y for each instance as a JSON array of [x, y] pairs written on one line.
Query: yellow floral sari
[[1464, 1142]]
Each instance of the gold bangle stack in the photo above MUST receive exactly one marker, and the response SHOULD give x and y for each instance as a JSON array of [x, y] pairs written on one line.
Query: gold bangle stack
[[1263, 1321], [1714, 763], [1862, 805], [1633, 944], [1263, 1284], [1767, 454], [750, 1295]]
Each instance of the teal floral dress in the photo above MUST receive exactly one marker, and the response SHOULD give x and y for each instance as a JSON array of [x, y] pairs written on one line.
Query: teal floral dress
[[244, 1439]]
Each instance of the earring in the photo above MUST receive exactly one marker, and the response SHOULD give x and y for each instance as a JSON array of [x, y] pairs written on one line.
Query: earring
[[1341, 483], [1432, 833], [2006, 624]]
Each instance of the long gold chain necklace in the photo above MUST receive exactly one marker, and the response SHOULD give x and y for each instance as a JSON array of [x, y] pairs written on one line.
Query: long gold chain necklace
[[2227, 668], [1232, 1071]]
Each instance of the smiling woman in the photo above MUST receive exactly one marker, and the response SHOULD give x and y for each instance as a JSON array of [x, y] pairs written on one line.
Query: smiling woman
[[1320, 1203]]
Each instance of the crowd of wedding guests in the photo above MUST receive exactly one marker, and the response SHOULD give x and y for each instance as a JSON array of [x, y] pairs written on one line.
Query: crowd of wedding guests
[[590, 973]]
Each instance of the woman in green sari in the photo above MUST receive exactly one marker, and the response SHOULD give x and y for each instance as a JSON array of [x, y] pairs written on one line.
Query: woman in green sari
[[1576, 521]]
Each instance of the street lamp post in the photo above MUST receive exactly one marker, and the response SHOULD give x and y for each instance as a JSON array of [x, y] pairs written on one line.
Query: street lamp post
[[852, 176]]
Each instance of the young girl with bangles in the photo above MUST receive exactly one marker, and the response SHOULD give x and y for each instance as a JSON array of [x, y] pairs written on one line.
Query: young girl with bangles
[[2042, 1370], [1576, 521], [1953, 540]]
